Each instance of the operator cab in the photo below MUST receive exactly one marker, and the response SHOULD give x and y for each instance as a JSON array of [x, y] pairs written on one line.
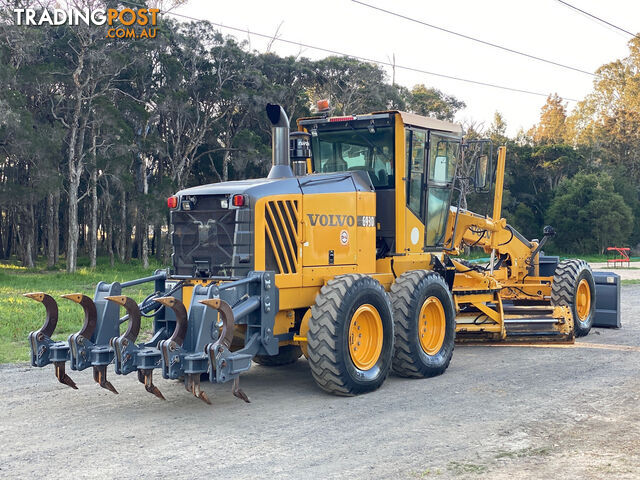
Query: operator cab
[[411, 161]]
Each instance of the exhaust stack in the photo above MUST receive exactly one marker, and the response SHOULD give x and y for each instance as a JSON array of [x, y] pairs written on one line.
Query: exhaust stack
[[280, 167]]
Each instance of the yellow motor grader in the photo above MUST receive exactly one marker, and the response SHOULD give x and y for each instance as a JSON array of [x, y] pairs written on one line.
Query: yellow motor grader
[[348, 253]]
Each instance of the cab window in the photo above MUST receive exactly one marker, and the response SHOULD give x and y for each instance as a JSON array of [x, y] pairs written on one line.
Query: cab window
[[356, 149], [416, 148], [443, 155]]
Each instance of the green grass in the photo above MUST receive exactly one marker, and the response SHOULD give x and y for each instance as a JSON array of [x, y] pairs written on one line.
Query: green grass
[[20, 315]]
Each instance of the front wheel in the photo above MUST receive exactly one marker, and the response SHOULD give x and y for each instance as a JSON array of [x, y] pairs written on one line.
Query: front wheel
[[425, 324], [350, 337]]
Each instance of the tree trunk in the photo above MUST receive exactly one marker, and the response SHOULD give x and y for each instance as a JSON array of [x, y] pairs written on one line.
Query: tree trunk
[[26, 236], [108, 222], [2, 215], [56, 226], [144, 239], [225, 166], [10, 233], [93, 222], [128, 235], [142, 215], [157, 235], [74, 184], [73, 232], [51, 231], [122, 251]]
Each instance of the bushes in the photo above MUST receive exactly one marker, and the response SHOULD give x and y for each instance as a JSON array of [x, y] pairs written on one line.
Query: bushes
[[589, 215]]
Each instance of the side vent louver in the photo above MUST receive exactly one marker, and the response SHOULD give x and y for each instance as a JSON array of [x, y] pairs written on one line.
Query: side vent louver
[[281, 231]]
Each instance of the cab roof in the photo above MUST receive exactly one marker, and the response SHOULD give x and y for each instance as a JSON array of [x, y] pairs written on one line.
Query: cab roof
[[408, 118]]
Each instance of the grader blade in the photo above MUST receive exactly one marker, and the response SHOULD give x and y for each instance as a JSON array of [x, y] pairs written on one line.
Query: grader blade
[[43, 349], [538, 324], [516, 325]]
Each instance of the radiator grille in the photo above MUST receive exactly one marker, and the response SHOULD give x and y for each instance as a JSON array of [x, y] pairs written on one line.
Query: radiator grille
[[282, 236], [211, 240]]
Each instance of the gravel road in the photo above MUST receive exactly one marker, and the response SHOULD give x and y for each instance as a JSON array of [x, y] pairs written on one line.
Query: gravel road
[[498, 412]]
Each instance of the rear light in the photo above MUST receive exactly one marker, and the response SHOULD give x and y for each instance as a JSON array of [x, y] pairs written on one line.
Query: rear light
[[341, 119], [238, 200], [172, 202]]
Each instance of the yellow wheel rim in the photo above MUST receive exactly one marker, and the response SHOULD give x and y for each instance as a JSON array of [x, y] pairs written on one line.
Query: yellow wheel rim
[[583, 300], [432, 326], [365, 337]]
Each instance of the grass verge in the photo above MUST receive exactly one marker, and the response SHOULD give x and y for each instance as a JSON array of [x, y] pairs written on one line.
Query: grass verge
[[20, 315]]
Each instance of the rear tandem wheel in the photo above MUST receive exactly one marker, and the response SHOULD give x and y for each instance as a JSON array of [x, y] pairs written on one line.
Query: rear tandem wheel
[[574, 287], [425, 324]]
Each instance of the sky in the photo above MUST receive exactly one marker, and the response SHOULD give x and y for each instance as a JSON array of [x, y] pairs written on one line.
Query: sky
[[543, 28]]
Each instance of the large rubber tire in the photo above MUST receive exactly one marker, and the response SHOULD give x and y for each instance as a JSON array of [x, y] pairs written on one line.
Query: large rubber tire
[[332, 367], [409, 293], [567, 277], [286, 355]]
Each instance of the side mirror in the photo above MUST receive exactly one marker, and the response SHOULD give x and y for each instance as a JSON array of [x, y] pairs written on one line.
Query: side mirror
[[482, 172], [479, 164]]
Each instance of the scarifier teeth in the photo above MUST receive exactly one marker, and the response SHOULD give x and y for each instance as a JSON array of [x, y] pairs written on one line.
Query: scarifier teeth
[[62, 376], [192, 384], [100, 377], [37, 296], [74, 297], [146, 377], [238, 392]]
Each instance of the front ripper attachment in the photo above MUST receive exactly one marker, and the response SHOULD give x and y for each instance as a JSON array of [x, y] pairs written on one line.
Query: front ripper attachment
[[218, 349], [129, 356], [83, 352], [177, 360], [43, 349]]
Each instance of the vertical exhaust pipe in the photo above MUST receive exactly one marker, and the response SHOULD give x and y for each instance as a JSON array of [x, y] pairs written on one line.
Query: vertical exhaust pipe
[[280, 167]]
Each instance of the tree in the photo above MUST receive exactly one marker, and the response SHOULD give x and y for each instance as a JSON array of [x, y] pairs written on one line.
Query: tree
[[552, 128], [96, 132], [431, 102], [589, 215]]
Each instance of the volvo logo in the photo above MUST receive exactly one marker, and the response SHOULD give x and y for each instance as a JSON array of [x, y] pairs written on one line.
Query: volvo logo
[[331, 220], [341, 220]]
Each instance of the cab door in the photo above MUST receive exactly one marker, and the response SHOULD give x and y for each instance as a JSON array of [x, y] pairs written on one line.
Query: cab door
[[442, 158], [416, 141]]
